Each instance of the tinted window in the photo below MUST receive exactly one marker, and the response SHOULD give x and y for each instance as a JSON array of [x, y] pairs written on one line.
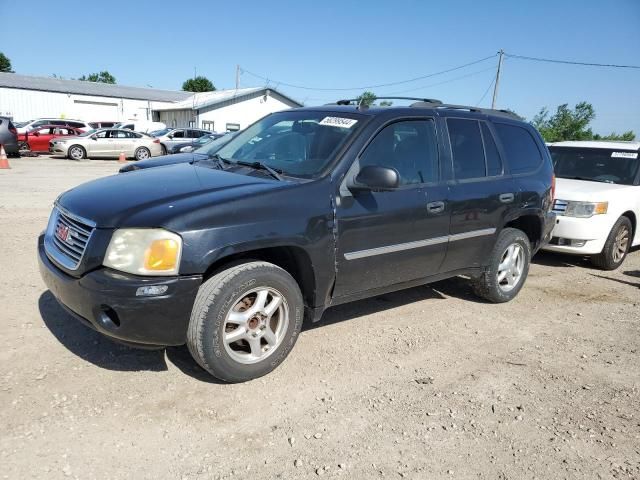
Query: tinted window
[[58, 122], [76, 124], [178, 134], [466, 147], [410, 147], [494, 164], [522, 152]]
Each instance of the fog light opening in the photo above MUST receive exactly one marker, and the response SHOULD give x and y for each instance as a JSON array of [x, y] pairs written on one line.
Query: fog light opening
[[110, 314]]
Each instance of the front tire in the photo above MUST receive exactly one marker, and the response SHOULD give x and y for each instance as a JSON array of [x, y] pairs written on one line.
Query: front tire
[[76, 152], [508, 267], [23, 147], [616, 247], [245, 321], [164, 149], [142, 153]]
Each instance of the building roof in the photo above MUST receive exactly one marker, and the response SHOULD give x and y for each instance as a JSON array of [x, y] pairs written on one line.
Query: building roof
[[48, 84], [202, 100], [610, 144]]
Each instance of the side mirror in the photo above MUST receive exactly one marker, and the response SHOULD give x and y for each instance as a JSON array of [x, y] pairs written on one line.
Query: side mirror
[[93, 137], [36, 133], [376, 179]]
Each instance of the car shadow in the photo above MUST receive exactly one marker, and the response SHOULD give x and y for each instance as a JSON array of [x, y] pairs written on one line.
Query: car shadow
[[554, 259], [456, 287], [102, 352], [635, 273]]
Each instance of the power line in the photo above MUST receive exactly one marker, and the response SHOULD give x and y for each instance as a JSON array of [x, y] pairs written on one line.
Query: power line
[[568, 62], [422, 77], [440, 83], [493, 79]]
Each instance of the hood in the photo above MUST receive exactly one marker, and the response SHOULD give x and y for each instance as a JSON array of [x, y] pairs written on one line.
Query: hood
[[152, 197], [160, 161], [585, 190]]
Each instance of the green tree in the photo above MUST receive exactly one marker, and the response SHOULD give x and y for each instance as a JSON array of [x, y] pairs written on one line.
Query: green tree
[[198, 84], [572, 124], [101, 77], [366, 98], [5, 64]]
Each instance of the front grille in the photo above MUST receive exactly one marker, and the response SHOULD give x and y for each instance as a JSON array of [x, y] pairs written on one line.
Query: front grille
[[560, 206], [68, 236]]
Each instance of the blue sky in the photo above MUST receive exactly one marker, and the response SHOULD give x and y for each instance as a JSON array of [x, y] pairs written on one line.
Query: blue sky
[[336, 44]]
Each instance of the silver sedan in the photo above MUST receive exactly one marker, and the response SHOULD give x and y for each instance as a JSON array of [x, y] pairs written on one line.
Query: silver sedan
[[107, 143]]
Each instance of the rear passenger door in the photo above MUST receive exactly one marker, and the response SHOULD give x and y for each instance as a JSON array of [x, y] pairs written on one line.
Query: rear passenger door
[[482, 193]]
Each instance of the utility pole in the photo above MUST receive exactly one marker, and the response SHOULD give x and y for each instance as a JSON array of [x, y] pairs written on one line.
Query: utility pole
[[495, 87], [237, 77]]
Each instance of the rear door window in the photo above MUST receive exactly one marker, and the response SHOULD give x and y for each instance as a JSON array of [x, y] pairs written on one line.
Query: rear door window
[[523, 155], [466, 148]]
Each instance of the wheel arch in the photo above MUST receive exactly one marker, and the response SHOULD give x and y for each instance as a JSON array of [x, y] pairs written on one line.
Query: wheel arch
[[293, 259], [634, 222], [531, 225]]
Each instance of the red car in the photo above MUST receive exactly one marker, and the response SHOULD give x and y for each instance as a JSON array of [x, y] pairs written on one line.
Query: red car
[[37, 140]]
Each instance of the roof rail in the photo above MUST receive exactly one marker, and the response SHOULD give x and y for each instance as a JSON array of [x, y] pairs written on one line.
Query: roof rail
[[486, 111], [357, 100]]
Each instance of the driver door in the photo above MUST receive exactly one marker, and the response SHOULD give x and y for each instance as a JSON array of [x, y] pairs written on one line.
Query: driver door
[[391, 237]]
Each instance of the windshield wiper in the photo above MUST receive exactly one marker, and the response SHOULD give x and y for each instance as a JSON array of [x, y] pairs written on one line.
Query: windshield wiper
[[218, 160], [275, 173]]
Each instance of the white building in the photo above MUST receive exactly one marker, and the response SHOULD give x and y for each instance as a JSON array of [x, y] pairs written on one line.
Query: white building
[[224, 110], [24, 97]]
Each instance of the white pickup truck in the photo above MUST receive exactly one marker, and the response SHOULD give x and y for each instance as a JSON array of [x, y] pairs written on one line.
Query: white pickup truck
[[597, 200]]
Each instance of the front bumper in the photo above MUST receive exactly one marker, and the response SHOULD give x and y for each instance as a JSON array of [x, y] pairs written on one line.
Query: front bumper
[[106, 301], [592, 231]]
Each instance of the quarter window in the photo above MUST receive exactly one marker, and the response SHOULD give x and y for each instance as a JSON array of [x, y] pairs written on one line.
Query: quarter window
[[522, 152], [466, 148], [408, 146], [494, 164]]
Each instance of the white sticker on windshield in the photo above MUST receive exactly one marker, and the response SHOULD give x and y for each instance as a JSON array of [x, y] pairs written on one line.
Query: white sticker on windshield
[[624, 154], [338, 122]]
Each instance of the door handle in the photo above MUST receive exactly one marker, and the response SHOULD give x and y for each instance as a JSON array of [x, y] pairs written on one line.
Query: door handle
[[435, 207], [507, 197]]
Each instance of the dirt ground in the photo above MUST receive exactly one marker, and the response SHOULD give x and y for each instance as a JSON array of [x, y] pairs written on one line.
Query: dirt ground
[[425, 383]]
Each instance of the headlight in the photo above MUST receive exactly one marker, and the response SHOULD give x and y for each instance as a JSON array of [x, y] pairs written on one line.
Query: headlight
[[144, 251], [586, 209]]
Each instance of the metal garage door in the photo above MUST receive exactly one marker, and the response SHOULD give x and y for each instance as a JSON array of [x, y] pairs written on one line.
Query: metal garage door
[[95, 111]]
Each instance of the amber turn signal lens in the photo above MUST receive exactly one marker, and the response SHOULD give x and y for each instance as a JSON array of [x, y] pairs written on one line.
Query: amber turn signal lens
[[601, 208], [161, 255]]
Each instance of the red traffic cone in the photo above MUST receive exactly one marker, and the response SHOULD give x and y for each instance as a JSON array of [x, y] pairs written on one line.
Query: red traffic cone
[[122, 158], [4, 161]]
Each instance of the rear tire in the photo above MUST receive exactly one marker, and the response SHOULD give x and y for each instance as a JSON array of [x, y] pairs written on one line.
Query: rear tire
[[76, 152], [142, 153], [508, 267], [616, 247], [245, 321]]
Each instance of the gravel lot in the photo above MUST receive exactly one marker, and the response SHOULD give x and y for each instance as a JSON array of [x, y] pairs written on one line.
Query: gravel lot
[[424, 383]]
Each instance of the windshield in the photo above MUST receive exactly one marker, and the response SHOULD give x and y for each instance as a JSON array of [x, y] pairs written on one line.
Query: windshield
[[90, 132], [21, 124], [298, 143], [595, 164], [160, 133]]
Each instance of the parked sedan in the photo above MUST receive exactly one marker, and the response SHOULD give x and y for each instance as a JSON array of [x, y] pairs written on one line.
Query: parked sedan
[[107, 143], [37, 140], [187, 147], [63, 122], [169, 137]]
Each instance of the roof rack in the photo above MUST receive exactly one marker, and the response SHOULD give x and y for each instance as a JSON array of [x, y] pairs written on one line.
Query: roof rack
[[486, 111], [357, 100]]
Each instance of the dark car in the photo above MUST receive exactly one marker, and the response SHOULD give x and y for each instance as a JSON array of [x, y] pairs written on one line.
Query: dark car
[[306, 209], [201, 153], [9, 137], [186, 147]]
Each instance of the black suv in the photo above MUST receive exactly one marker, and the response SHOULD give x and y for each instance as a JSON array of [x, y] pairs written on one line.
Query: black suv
[[305, 209]]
